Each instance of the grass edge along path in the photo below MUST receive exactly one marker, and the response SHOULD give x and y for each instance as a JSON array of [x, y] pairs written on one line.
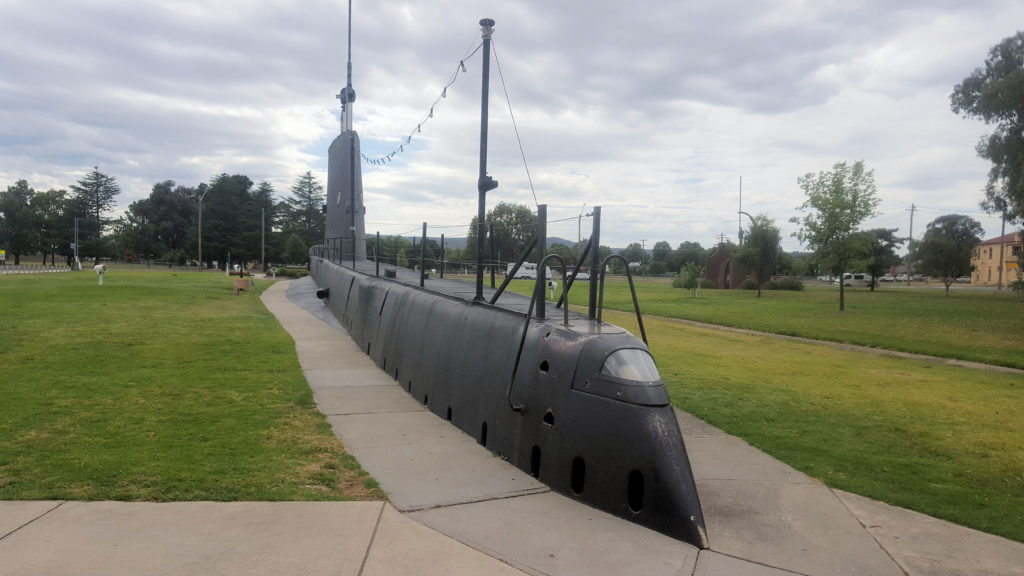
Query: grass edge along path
[[158, 386], [947, 441]]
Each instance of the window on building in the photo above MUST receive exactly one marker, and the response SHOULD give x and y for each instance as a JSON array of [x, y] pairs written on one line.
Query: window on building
[[989, 275], [990, 253]]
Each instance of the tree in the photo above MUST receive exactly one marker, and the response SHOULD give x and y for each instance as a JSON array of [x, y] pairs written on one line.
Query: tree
[[837, 202], [514, 226], [686, 253], [54, 221], [945, 251], [995, 94], [881, 256], [634, 253], [303, 214], [759, 255], [170, 212], [95, 193], [295, 250], [18, 223], [565, 252], [690, 277], [661, 252]]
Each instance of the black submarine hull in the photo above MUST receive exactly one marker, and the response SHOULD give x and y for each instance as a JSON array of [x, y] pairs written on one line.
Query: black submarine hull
[[609, 442]]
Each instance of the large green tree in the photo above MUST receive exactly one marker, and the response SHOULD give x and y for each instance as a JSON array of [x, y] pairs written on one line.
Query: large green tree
[[55, 223], [169, 212], [881, 256], [838, 201], [514, 226], [945, 251], [17, 222], [304, 210], [94, 194], [227, 220], [759, 254], [995, 95]]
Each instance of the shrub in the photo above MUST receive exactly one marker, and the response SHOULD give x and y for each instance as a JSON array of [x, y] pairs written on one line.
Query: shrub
[[784, 284], [292, 272], [748, 284]]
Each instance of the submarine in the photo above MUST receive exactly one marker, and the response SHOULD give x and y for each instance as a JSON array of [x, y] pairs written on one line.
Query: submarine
[[576, 402]]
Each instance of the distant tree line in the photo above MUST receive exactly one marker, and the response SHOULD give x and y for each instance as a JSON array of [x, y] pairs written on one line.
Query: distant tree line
[[238, 217]]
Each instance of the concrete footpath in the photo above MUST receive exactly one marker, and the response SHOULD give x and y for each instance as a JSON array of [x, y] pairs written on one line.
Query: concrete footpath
[[454, 508]]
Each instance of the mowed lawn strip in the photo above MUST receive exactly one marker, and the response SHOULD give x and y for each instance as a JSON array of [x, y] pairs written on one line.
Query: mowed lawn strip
[[158, 386], [975, 325], [943, 440]]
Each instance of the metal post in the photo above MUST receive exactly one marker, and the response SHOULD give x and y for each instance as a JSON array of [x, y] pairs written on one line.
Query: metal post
[[353, 240], [376, 257], [200, 229], [263, 240], [423, 254], [595, 262], [74, 265], [443, 256], [485, 182], [542, 242], [491, 243]]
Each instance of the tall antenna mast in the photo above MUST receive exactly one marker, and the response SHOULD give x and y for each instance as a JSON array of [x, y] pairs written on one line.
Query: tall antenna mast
[[347, 94]]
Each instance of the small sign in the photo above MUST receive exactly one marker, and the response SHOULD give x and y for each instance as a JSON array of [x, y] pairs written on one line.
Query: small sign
[[3, 255]]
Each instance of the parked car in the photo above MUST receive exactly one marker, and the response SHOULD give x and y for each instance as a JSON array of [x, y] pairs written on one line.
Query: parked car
[[887, 278], [901, 277], [963, 280]]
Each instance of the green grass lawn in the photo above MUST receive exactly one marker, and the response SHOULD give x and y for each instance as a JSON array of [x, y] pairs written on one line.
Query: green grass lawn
[[158, 386], [944, 440], [975, 325]]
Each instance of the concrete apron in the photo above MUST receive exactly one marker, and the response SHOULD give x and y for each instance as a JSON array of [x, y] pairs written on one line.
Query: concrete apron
[[763, 517]]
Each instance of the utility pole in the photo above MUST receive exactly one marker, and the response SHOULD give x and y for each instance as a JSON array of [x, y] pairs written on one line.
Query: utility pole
[[263, 241], [643, 252], [739, 215], [910, 245]]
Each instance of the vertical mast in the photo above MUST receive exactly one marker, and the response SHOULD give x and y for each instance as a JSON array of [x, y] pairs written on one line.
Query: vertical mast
[[347, 94], [485, 182]]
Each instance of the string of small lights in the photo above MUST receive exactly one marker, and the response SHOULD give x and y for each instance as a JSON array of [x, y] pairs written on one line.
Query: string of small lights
[[387, 158]]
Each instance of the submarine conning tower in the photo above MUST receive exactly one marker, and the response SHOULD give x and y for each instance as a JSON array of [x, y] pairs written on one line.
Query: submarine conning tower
[[345, 224]]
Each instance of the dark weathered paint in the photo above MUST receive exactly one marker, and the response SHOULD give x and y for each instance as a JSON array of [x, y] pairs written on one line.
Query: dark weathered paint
[[616, 442]]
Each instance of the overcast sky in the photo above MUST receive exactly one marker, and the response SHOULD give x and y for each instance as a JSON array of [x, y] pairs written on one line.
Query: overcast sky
[[653, 110]]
